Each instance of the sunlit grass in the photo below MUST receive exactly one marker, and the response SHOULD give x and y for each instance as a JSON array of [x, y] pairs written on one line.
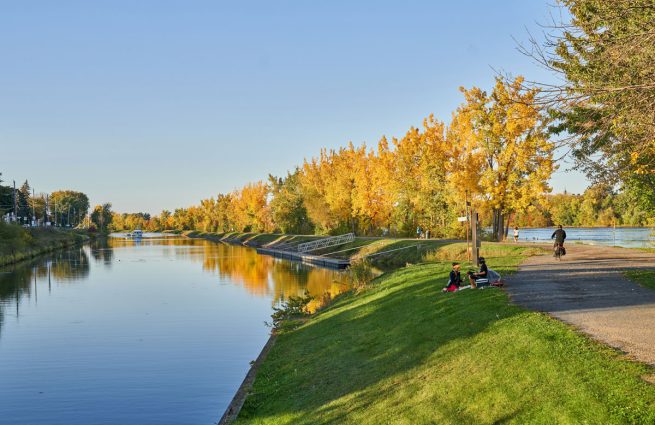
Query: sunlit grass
[[403, 352]]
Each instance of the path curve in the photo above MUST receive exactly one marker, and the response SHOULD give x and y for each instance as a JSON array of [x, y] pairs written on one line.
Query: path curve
[[588, 290]]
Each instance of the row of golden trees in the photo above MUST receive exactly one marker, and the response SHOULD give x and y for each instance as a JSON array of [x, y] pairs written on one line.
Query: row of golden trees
[[495, 154]]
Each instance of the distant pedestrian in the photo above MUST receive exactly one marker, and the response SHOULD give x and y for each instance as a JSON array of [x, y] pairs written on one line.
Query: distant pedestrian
[[419, 231], [516, 234]]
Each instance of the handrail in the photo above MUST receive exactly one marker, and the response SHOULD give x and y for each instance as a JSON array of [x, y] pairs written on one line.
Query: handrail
[[326, 242]]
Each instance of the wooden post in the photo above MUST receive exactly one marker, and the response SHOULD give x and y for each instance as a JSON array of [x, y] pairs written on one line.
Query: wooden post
[[475, 252], [468, 218]]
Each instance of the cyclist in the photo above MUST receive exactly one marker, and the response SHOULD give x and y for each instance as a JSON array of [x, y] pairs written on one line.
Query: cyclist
[[559, 235]]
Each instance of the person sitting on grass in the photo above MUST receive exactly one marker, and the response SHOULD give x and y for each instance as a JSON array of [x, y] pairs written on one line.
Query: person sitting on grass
[[479, 278], [455, 279]]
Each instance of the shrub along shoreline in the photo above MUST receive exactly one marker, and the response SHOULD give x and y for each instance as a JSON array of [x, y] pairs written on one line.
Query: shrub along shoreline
[[403, 352], [19, 244]]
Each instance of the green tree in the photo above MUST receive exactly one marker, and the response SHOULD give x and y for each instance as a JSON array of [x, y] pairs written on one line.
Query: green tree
[[6, 198], [606, 55], [101, 217], [24, 203], [71, 206], [287, 204]]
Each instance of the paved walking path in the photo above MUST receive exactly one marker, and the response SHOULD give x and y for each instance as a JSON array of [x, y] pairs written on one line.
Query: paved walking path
[[588, 290]]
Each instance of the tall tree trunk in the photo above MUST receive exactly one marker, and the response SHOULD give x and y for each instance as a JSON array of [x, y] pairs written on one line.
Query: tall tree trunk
[[501, 226], [496, 225], [509, 220]]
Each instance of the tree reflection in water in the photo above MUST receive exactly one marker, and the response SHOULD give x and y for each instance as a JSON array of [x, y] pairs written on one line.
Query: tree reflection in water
[[260, 275], [20, 281], [102, 251], [265, 275]]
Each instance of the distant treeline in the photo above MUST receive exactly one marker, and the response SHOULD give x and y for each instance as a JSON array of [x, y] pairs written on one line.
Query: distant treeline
[[599, 205], [64, 207]]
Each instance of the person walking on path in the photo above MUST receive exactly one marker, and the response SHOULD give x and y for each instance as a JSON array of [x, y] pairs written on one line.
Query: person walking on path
[[418, 232], [516, 234]]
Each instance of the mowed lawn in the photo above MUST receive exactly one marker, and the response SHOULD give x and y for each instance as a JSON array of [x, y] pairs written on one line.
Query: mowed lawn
[[402, 352]]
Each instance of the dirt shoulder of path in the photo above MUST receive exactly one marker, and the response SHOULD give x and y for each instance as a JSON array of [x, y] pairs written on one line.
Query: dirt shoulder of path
[[588, 289]]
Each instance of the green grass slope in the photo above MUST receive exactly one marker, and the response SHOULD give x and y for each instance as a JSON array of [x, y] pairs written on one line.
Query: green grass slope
[[18, 243], [402, 352]]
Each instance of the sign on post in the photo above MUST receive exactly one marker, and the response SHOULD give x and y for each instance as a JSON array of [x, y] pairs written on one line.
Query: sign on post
[[461, 219]]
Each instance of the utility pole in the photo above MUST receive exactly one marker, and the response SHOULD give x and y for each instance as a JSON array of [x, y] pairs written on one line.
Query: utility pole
[[46, 212], [33, 209], [15, 209]]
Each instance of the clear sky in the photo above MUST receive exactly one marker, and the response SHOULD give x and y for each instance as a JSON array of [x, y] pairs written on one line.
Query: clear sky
[[156, 104]]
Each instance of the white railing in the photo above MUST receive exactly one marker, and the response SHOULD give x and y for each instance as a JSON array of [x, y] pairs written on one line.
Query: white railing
[[326, 242]]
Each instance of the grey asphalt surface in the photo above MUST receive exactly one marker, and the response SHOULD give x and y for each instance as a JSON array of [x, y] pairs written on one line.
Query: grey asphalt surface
[[588, 290]]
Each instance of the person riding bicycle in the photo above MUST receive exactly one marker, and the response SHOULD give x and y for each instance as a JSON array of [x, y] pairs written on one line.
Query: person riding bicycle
[[559, 235]]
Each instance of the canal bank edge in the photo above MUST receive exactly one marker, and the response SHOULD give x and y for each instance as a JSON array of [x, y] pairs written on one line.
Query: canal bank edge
[[234, 408], [44, 240]]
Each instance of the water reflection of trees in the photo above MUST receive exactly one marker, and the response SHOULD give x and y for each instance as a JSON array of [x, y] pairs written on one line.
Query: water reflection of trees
[[102, 250], [265, 275], [260, 275], [19, 281]]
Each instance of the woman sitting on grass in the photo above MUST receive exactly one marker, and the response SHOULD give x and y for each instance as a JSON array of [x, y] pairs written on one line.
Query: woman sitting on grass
[[455, 279], [479, 278]]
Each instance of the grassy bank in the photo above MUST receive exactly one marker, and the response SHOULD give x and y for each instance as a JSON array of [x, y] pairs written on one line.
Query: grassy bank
[[18, 243], [403, 352]]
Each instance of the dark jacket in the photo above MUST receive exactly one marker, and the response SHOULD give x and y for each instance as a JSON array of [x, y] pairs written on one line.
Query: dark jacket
[[483, 271], [559, 235], [455, 278]]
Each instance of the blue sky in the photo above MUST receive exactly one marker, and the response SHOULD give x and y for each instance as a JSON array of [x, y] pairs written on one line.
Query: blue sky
[[157, 104]]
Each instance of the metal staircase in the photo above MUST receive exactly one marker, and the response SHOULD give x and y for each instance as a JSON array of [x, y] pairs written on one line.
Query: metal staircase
[[326, 242]]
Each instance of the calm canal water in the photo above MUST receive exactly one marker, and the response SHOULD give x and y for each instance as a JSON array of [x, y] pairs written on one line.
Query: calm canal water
[[159, 331], [627, 237]]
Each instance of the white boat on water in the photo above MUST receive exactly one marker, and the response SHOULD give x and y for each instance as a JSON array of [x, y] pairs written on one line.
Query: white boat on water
[[138, 233]]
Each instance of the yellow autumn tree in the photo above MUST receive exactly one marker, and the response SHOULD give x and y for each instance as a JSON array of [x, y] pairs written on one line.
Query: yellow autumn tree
[[372, 195], [503, 136], [313, 189], [250, 208]]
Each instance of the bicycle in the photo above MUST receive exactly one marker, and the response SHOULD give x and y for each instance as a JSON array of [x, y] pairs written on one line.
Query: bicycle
[[559, 251]]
